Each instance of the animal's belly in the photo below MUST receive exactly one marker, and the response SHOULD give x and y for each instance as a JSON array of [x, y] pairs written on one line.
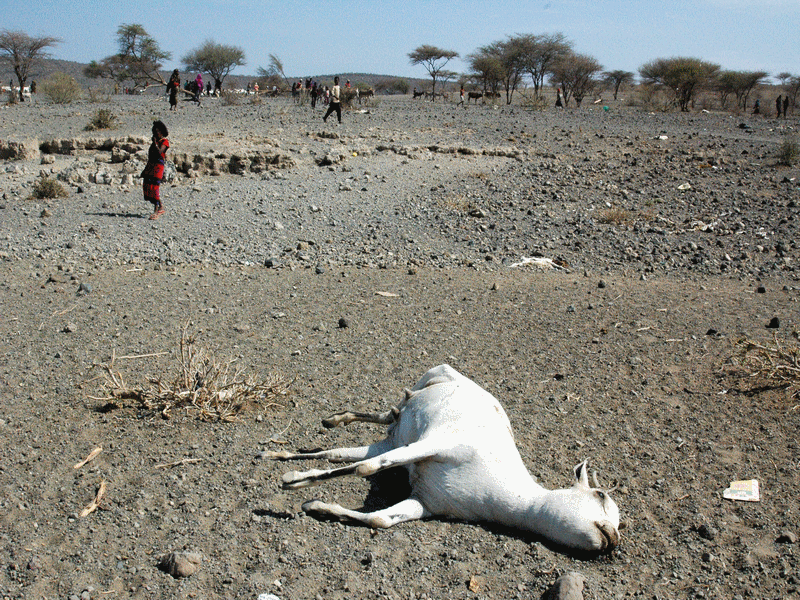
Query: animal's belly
[[457, 491]]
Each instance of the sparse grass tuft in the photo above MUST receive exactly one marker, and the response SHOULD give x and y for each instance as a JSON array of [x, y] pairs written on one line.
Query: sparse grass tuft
[[47, 188], [615, 216], [103, 118], [204, 387]]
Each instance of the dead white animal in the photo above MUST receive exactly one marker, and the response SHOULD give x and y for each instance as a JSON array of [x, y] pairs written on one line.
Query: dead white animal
[[455, 440]]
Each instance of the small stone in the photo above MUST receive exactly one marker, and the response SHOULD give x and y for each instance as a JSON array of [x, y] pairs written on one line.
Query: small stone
[[601, 284], [271, 263], [787, 537], [70, 328], [707, 532], [774, 323], [84, 288], [343, 323], [180, 564], [761, 289], [566, 587], [45, 213], [319, 270]]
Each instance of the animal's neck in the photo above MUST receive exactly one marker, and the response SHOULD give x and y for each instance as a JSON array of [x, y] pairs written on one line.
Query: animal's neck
[[520, 506]]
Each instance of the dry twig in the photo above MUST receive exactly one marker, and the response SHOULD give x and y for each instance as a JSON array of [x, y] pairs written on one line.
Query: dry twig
[[91, 456], [95, 504]]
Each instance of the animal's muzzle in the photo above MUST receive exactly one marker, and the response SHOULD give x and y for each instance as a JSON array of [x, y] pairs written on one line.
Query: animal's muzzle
[[610, 536]]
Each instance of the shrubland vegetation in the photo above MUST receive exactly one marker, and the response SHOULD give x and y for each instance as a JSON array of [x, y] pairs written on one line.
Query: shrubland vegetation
[[530, 64]]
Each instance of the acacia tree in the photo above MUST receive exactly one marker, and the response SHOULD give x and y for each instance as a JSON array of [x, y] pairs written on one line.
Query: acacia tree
[[685, 76], [616, 79], [538, 54], [577, 74], [22, 53], [486, 69], [139, 59], [740, 84], [433, 59], [215, 59]]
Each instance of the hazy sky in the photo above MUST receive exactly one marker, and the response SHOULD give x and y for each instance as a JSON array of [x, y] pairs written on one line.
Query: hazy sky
[[373, 36]]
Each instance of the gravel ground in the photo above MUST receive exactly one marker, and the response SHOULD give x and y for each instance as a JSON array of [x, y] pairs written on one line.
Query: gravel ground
[[403, 224]]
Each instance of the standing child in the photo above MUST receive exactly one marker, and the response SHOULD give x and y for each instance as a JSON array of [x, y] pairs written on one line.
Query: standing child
[[154, 169]]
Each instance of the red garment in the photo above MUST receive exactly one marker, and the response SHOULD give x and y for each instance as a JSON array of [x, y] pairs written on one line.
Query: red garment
[[154, 171]]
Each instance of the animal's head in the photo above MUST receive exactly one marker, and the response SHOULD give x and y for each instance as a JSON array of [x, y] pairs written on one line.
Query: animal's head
[[581, 517]]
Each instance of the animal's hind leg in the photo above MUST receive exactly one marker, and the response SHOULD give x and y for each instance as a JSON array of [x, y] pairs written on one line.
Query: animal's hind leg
[[369, 466], [334, 455], [345, 418], [409, 509]]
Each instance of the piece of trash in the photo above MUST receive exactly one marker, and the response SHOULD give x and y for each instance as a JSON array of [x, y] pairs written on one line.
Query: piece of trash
[[387, 294], [662, 137], [746, 491], [684, 186], [541, 262]]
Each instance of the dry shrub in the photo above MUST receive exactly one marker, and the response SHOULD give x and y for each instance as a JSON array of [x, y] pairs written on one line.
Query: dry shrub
[[46, 188], [103, 118], [204, 387], [776, 364], [788, 151], [229, 98], [61, 88], [615, 216]]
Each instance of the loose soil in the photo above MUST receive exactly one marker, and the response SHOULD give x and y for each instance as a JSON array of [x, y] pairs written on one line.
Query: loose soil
[[386, 246]]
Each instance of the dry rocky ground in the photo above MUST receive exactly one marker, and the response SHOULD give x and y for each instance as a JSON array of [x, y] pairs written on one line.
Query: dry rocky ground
[[352, 258]]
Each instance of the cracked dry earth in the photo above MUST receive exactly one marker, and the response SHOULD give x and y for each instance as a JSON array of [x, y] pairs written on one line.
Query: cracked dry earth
[[371, 252]]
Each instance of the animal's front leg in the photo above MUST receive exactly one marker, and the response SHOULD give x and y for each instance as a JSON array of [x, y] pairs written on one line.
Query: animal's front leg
[[409, 509]]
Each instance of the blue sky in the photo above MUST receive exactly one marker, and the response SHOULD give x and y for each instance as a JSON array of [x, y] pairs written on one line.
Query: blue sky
[[373, 36]]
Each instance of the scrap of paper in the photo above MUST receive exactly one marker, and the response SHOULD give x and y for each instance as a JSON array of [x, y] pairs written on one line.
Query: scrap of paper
[[746, 490]]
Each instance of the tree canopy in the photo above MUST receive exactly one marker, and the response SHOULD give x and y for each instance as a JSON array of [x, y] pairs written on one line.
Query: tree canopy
[[577, 74], [215, 59], [433, 59], [139, 59], [23, 52], [683, 75]]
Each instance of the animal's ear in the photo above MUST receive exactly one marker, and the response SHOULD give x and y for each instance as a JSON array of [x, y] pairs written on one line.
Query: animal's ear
[[582, 474]]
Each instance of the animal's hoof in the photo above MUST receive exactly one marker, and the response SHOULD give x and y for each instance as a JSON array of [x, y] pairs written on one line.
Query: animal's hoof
[[312, 506], [294, 480], [270, 455]]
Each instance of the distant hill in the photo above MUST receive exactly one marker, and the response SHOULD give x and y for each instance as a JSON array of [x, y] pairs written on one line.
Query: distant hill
[[75, 69]]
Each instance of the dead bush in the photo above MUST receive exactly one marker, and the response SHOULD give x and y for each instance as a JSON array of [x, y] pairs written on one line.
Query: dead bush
[[202, 386], [776, 364]]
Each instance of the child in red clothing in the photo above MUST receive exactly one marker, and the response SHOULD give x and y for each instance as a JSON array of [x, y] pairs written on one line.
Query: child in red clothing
[[154, 170]]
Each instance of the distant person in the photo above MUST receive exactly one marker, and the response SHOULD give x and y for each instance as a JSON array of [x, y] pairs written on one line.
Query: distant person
[[786, 106], [198, 88], [314, 93], [778, 105], [559, 99], [154, 169], [208, 88], [461, 95], [757, 107], [336, 104], [33, 87], [248, 88], [172, 89], [255, 88]]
